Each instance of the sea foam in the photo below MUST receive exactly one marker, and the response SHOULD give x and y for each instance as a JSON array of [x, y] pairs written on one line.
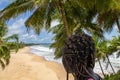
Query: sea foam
[[45, 52], [48, 54]]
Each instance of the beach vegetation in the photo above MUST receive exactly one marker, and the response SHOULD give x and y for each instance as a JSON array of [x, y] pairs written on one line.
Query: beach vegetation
[[105, 48], [113, 76], [6, 46]]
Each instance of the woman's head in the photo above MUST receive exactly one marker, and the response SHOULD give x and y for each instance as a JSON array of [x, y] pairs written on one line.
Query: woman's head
[[78, 54]]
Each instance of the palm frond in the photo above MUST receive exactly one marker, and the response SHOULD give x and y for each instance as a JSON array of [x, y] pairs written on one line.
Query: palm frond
[[59, 39], [36, 20], [13, 45], [3, 29], [13, 37], [107, 20], [94, 29], [15, 9], [4, 55]]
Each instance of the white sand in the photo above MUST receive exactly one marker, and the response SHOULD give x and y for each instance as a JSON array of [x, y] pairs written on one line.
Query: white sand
[[25, 66]]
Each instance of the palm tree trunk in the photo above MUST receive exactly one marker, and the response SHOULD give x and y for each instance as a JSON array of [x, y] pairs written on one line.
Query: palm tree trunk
[[117, 22], [101, 68], [64, 17], [1, 41], [110, 64], [118, 25]]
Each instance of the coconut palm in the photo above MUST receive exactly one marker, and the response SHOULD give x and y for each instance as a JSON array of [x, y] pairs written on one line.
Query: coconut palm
[[18, 7], [113, 47], [43, 11], [106, 48], [110, 15], [6, 46], [100, 45], [14, 37], [109, 19], [79, 20], [107, 12]]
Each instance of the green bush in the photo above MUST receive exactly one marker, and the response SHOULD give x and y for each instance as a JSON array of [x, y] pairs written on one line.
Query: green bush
[[113, 76]]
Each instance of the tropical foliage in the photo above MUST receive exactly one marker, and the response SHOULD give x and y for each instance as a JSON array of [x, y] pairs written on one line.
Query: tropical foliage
[[6, 46], [71, 15], [113, 76], [106, 48]]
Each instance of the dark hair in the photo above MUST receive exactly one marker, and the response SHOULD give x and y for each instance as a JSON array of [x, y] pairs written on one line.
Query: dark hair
[[78, 55]]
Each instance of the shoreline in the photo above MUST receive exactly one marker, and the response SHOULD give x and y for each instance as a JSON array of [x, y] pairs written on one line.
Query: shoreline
[[28, 66], [25, 65], [49, 57]]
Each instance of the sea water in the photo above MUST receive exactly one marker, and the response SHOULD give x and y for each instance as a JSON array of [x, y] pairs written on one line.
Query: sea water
[[44, 51]]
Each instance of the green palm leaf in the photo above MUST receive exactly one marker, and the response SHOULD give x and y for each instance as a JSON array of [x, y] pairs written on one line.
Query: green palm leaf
[[3, 29], [16, 8], [4, 55], [37, 19], [6, 46], [13, 37]]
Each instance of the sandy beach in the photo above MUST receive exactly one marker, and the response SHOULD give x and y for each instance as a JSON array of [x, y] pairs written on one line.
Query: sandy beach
[[27, 66]]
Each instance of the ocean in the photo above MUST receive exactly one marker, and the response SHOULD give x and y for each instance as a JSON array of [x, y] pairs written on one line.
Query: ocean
[[43, 50]]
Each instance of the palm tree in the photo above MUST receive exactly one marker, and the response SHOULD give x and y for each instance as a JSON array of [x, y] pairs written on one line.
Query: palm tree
[[79, 20], [43, 11], [6, 46], [61, 8], [71, 13], [107, 12], [100, 46], [106, 48], [109, 19]]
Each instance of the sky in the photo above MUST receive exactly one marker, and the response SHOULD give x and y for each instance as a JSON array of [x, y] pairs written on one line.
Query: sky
[[16, 26]]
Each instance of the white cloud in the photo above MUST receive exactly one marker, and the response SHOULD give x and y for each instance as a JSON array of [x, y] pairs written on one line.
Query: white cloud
[[31, 37], [19, 23], [16, 27]]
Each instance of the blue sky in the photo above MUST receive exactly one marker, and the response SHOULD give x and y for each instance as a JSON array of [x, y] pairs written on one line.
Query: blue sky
[[16, 26]]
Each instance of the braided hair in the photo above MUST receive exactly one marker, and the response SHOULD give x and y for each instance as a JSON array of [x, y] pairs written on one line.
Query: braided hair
[[78, 55]]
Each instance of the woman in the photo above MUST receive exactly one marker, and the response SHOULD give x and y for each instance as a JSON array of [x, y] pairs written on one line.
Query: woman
[[79, 57]]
